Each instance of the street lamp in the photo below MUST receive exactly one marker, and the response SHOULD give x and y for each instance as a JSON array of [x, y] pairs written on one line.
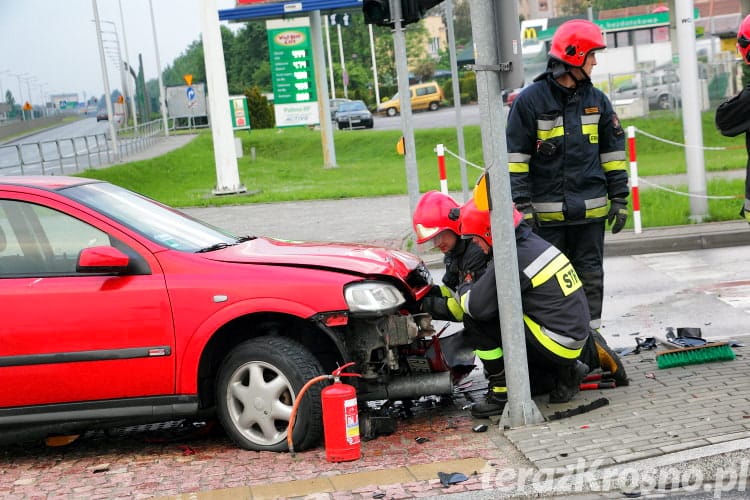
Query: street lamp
[[28, 80], [127, 61], [20, 93]]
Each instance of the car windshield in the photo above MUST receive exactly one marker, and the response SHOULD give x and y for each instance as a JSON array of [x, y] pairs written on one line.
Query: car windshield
[[157, 222], [352, 106]]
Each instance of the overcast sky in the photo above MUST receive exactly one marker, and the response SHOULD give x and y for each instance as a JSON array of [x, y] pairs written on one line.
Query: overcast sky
[[54, 42]]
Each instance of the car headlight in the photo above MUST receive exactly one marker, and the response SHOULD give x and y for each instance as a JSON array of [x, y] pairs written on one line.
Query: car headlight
[[372, 296]]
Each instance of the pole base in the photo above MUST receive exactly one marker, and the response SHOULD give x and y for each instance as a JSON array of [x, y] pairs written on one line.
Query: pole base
[[229, 190]]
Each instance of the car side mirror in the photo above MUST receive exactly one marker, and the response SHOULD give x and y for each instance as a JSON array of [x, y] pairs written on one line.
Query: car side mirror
[[102, 259]]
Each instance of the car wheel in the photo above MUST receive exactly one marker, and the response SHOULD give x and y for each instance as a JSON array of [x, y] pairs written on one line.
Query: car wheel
[[390, 111], [342, 126], [665, 101], [256, 387], [434, 106], [370, 124]]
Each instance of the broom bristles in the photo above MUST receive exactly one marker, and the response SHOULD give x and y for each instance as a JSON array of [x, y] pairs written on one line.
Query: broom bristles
[[695, 355]]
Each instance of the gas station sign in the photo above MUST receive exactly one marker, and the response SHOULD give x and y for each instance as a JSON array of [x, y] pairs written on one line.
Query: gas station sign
[[293, 72]]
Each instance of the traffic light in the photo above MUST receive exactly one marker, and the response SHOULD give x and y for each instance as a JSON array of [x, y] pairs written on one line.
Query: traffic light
[[378, 12], [413, 10]]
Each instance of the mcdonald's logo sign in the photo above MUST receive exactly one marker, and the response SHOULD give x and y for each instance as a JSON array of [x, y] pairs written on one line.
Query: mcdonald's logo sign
[[529, 34]]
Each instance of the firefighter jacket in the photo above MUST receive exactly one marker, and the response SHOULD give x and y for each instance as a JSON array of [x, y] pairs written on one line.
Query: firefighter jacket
[[556, 313], [732, 119], [465, 262], [566, 152]]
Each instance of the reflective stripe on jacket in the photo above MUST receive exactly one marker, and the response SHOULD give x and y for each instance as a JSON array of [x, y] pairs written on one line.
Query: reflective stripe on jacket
[[566, 152], [551, 295]]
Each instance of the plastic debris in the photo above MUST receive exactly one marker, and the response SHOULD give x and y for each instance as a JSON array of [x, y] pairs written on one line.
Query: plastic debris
[[480, 428], [447, 479]]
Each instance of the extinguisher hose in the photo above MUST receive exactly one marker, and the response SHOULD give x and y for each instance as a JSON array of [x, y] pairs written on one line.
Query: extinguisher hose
[[295, 406], [337, 373]]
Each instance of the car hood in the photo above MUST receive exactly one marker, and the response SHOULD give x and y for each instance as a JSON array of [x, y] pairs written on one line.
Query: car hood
[[357, 259]]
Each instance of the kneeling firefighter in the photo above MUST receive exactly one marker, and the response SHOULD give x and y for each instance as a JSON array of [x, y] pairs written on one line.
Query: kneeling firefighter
[[555, 314]]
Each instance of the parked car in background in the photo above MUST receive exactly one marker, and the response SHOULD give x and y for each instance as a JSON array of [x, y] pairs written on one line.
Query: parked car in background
[[123, 311], [102, 115], [423, 96], [333, 105], [353, 114], [661, 89]]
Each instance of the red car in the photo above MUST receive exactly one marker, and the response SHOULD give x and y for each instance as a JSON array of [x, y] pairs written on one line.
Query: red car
[[119, 310]]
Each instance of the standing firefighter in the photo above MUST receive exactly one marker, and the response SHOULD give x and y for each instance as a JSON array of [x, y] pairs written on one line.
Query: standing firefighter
[[566, 156], [555, 315], [733, 116]]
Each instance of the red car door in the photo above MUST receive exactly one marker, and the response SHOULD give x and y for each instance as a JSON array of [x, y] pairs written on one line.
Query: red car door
[[68, 336]]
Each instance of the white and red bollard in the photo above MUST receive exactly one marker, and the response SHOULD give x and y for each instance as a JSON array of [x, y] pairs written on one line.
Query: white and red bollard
[[634, 181], [440, 150]]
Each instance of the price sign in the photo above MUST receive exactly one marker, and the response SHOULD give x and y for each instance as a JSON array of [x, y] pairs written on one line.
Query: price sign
[[292, 65]]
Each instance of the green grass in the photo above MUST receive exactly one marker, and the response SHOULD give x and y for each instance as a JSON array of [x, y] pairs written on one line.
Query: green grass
[[288, 166]]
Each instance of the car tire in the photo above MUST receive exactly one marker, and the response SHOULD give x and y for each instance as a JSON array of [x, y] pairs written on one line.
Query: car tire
[[665, 102], [391, 111], [342, 126], [255, 390], [370, 124], [434, 106]]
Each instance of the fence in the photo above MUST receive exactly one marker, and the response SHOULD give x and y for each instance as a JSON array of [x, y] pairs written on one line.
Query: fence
[[75, 154]]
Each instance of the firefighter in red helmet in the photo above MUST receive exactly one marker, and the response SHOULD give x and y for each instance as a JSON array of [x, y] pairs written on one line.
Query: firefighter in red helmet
[[733, 115], [566, 157], [555, 315], [434, 222]]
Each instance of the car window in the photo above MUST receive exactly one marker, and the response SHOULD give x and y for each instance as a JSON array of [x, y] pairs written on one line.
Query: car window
[[159, 223], [352, 106], [41, 241]]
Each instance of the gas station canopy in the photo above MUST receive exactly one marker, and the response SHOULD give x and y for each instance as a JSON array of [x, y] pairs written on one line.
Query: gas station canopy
[[264, 10]]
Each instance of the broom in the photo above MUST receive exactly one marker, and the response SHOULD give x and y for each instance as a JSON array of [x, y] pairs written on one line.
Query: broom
[[682, 356]]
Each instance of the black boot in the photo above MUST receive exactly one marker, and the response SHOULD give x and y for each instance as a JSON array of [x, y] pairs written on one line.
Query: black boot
[[497, 396], [568, 382]]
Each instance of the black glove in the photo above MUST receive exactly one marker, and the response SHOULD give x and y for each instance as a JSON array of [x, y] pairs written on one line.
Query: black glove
[[618, 214], [527, 209]]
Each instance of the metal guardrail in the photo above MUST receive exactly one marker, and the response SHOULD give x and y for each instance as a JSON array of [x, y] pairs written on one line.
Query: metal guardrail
[[75, 154]]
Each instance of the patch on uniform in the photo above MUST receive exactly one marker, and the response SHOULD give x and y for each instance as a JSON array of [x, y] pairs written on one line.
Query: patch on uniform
[[617, 125], [591, 111], [594, 139]]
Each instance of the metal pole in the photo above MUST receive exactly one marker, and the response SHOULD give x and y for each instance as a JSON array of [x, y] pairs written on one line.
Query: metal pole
[[691, 110], [520, 409], [374, 65], [105, 78], [127, 70], [330, 63], [402, 73], [324, 117], [457, 98], [344, 76], [162, 95]]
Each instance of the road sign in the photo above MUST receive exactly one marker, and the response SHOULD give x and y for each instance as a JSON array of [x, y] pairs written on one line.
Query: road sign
[[343, 19], [190, 96], [188, 79], [27, 106]]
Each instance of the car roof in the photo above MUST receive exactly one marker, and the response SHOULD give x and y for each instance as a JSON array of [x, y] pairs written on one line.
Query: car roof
[[51, 182]]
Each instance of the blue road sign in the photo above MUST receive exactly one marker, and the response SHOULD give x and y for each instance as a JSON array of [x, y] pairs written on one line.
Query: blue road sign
[[190, 96]]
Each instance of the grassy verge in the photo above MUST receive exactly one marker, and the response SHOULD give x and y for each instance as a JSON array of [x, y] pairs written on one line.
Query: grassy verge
[[288, 166]]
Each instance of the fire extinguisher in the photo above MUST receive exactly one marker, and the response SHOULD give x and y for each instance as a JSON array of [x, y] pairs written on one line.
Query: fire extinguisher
[[340, 417]]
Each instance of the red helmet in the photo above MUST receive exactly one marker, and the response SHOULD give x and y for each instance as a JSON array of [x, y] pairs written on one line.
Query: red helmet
[[476, 222], [743, 39], [431, 217], [573, 41]]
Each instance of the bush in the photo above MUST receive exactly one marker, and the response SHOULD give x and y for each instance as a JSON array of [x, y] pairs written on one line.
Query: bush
[[467, 84], [261, 112]]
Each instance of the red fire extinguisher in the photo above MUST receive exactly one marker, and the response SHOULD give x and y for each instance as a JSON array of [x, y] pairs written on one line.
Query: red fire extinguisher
[[340, 419]]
